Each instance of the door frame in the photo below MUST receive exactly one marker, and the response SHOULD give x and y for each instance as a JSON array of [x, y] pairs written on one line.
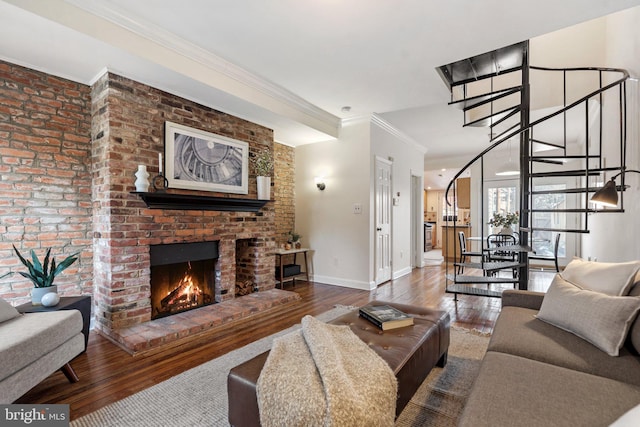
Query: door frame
[[417, 221]]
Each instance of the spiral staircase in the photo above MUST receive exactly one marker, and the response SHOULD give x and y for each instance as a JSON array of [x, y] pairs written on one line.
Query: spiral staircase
[[567, 136]]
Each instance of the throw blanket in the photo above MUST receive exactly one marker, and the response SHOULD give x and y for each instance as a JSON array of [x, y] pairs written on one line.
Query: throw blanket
[[324, 375]]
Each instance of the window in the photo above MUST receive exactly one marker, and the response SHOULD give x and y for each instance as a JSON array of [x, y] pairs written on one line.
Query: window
[[503, 198], [543, 241]]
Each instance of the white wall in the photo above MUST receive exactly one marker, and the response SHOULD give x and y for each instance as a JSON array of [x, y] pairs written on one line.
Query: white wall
[[339, 239], [342, 242], [408, 159], [615, 236]]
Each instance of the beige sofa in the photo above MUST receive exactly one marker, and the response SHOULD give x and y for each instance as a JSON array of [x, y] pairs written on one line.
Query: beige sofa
[[35, 345], [536, 374]]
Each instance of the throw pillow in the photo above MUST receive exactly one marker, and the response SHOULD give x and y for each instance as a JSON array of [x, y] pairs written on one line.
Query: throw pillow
[[611, 278], [600, 319], [7, 311]]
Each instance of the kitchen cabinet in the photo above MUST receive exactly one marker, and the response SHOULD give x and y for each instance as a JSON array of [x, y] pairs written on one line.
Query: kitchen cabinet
[[463, 193]]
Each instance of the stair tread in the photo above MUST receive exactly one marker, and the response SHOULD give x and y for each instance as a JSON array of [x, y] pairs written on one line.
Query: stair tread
[[491, 265], [493, 118], [476, 101], [574, 172], [469, 290], [462, 279]]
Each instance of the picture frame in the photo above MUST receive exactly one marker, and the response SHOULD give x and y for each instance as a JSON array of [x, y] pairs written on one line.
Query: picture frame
[[200, 160]]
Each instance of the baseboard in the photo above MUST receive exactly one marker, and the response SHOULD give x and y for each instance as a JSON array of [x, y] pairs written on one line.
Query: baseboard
[[336, 281]]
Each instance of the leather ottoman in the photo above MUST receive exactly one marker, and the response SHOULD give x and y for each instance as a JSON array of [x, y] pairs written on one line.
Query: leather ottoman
[[411, 352]]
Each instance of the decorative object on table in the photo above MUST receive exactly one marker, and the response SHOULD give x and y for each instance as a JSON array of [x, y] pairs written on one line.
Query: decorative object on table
[[386, 317], [505, 221], [50, 299], [263, 166], [159, 182], [42, 274], [294, 239], [199, 160], [142, 179]]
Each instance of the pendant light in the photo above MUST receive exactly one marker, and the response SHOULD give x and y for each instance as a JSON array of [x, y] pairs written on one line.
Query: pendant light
[[510, 168]]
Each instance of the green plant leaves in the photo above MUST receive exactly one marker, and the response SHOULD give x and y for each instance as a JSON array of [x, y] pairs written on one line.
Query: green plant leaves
[[43, 274]]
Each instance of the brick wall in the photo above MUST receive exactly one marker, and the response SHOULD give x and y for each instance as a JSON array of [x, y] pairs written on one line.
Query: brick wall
[[127, 128], [61, 189], [284, 191], [45, 187]]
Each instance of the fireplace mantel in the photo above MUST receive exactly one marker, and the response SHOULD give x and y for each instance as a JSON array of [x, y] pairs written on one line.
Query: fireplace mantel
[[159, 200]]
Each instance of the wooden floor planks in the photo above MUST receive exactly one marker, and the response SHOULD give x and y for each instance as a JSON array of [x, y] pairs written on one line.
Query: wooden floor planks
[[108, 374]]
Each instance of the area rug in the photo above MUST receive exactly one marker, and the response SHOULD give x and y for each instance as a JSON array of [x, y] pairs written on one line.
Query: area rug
[[198, 397]]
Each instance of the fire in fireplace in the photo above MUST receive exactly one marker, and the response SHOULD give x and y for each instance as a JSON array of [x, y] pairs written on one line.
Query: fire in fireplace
[[182, 277]]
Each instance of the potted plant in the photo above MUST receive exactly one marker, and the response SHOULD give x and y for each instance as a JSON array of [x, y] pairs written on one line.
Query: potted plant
[[505, 221], [294, 239], [263, 166], [42, 274]]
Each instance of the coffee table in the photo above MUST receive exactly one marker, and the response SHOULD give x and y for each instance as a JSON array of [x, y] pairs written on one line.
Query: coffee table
[[411, 352]]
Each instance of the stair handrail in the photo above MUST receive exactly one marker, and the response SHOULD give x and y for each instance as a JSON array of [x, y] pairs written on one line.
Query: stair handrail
[[624, 73]]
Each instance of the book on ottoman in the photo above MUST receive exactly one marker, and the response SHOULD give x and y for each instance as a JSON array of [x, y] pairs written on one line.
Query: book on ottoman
[[386, 317]]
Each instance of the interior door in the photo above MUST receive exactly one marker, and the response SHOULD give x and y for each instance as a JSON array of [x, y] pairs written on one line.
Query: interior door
[[383, 220]]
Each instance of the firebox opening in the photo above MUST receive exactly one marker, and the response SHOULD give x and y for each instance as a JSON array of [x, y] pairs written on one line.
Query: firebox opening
[[182, 277]]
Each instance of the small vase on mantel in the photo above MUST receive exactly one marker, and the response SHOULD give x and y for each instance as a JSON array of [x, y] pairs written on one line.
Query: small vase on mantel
[[142, 179], [264, 187]]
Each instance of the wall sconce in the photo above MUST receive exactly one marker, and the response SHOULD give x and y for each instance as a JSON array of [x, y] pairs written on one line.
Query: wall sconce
[[319, 180], [607, 196]]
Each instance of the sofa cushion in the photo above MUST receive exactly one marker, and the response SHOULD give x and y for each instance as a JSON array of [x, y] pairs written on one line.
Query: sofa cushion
[[518, 332], [26, 338], [634, 333], [611, 278], [601, 319], [631, 418], [7, 311], [515, 391]]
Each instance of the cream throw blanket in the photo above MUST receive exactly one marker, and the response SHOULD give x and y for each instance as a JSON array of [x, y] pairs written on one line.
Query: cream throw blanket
[[324, 375]]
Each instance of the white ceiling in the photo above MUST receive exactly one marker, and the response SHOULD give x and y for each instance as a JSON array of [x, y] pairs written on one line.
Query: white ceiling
[[290, 65]]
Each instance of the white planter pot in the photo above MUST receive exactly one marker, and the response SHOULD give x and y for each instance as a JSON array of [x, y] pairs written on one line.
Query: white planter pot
[[506, 230], [264, 187], [38, 293]]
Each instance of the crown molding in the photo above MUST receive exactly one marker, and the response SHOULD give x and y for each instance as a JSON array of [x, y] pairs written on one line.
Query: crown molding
[[168, 40], [390, 129]]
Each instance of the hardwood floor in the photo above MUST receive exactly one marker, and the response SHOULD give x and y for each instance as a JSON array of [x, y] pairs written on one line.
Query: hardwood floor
[[108, 374]]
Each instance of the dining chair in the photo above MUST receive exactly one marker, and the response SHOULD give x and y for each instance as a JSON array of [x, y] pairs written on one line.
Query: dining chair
[[553, 258], [496, 241], [464, 252]]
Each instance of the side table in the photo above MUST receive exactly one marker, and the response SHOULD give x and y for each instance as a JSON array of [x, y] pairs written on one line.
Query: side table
[[81, 303], [280, 273]]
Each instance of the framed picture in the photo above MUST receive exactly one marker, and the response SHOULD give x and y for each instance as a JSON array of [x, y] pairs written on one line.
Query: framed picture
[[199, 160]]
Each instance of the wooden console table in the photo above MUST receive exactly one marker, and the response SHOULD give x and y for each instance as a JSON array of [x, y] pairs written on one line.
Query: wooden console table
[[280, 273]]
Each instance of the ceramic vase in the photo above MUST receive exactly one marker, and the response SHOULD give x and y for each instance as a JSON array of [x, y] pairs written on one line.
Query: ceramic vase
[[264, 187], [142, 179], [507, 230], [38, 293]]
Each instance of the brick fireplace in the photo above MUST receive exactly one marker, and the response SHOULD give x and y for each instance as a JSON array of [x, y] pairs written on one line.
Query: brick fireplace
[[127, 130]]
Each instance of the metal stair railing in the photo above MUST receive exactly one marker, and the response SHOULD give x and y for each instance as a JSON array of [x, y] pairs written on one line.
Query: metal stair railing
[[515, 130]]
